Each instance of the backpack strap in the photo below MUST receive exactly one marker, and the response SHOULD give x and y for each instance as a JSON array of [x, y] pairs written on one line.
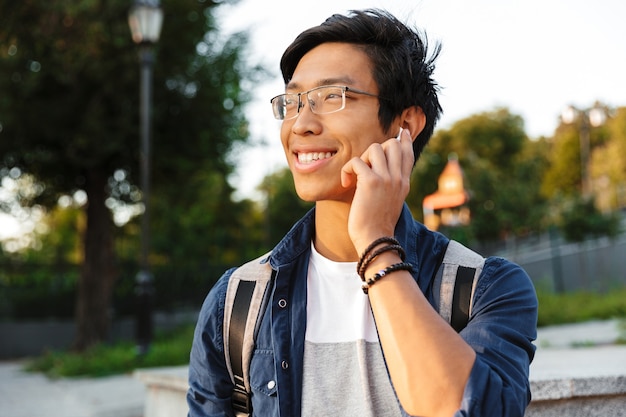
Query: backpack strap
[[245, 297], [455, 282]]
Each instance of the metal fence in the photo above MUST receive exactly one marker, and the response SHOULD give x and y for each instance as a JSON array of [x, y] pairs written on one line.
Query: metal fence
[[555, 264]]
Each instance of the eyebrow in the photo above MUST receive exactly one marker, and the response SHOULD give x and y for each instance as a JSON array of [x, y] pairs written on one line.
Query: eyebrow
[[343, 80]]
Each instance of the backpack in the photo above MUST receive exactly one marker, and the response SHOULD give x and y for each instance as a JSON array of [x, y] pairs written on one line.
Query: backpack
[[246, 295]]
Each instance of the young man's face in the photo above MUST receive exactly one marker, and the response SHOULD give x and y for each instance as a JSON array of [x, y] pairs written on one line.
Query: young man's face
[[317, 146]]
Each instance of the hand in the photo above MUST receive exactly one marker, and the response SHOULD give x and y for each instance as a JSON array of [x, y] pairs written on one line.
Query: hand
[[382, 177]]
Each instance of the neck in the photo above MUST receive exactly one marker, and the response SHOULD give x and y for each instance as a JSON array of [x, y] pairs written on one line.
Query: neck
[[331, 232]]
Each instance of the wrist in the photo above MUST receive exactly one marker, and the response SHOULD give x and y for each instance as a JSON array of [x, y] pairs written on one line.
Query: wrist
[[363, 244], [378, 273], [377, 249]]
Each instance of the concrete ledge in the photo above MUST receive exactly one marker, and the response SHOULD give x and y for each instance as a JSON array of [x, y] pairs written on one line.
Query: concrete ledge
[[564, 382], [166, 390], [579, 382]]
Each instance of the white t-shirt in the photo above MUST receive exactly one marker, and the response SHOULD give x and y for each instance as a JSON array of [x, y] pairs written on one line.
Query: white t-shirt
[[344, 369]]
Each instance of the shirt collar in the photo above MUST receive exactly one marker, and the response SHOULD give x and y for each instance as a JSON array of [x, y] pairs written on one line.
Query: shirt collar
[[298, 239]]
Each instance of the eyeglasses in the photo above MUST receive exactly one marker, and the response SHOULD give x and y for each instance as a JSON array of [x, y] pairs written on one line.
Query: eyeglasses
[[322, 100]]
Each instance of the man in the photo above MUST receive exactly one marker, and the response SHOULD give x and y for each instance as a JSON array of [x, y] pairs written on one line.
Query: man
[[359, 106]]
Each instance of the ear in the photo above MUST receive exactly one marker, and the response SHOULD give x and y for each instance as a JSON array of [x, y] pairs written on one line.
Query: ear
[[413, 119]]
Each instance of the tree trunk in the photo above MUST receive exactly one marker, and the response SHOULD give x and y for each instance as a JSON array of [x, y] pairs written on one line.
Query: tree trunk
[[98, 272]]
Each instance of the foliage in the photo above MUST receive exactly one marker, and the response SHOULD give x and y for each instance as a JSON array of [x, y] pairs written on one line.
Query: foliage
[[168, 349], [608, 165], [502, 169], [580, 306], [41, 280], [284, 207], [29, 289], [580, 220], [564, 176], [69, 116]]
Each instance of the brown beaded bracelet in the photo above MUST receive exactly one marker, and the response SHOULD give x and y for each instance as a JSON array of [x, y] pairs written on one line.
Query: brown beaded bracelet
[[364, 256], [377, 252], [402, 266]]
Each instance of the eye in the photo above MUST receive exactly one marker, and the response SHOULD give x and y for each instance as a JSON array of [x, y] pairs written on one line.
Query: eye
[[290, 100], [331, 95]]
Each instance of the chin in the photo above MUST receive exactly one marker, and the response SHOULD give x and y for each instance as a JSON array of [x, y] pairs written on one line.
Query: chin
[[314, 196], [307, 196]]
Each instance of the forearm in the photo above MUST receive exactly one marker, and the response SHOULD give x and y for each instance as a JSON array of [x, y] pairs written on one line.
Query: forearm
[[428, 361]]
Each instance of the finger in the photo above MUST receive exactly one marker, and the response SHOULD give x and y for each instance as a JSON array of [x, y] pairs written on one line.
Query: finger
[[399, 155], [393, 154], [375, 157], [408, 157], [351, 170]]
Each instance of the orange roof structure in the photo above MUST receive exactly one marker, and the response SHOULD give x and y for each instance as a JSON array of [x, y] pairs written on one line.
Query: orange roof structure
[[451, 192]]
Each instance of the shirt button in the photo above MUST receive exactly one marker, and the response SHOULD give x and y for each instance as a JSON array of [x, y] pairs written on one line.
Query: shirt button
[[282, 303], [284, 364], [271, 385]]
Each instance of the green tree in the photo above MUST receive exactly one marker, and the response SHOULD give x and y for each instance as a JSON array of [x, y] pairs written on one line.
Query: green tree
[[564, 175], [69, 116], [608, 165], [586, 216], [284, 207], [502, 169], [580, 220]]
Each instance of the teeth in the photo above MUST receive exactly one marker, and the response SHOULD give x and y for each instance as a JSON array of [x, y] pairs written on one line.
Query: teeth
[[309, 157]]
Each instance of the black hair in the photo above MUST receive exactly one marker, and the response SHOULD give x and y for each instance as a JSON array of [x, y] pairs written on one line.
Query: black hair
[[402, 67]]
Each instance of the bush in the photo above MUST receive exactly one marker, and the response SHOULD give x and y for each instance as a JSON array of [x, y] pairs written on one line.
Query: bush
[[31, 290], [581, 220], [580, 306], [168, 349]]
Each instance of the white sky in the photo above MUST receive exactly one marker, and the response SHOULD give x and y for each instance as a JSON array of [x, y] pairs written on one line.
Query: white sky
[[532, 56]]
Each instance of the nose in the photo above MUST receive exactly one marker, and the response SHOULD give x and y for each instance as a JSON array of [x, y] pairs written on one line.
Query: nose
[[305, 122]]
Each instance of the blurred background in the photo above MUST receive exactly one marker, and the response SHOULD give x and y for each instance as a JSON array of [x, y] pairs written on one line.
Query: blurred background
[[135, 170]]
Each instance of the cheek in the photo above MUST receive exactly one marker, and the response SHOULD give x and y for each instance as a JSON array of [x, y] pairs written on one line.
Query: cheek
[[285, 129]]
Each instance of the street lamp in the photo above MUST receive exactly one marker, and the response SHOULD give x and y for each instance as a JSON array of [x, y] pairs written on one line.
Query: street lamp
[[145, 19], [592, 117]]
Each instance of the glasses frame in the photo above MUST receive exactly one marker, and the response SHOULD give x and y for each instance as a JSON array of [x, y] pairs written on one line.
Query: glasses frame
[[343, 89]]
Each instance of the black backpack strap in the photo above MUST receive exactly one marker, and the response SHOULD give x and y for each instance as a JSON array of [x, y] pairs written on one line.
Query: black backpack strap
[[245, 298], [462, 298], [455, 283], [241, 305]]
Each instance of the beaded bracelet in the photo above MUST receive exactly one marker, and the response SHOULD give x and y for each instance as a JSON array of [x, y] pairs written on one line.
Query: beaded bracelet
[[403, 266], [384, 239], [377, 252]]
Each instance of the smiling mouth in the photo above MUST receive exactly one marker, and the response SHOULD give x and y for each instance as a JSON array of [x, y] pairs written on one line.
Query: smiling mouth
[[309, 157]]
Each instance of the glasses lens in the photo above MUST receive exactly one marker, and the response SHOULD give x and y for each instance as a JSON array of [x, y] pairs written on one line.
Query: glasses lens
[[285, 106], [322, 100], [327, 99]]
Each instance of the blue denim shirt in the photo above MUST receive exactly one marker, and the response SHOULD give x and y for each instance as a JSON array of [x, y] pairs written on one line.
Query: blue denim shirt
[[501, 329]]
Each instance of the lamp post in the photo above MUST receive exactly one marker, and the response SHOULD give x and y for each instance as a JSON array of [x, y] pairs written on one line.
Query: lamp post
[[145, 19], [592, 117]]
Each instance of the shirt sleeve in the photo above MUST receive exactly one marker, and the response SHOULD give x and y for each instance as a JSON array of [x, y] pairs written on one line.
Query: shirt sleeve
[[210, 387], [501, 329]]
